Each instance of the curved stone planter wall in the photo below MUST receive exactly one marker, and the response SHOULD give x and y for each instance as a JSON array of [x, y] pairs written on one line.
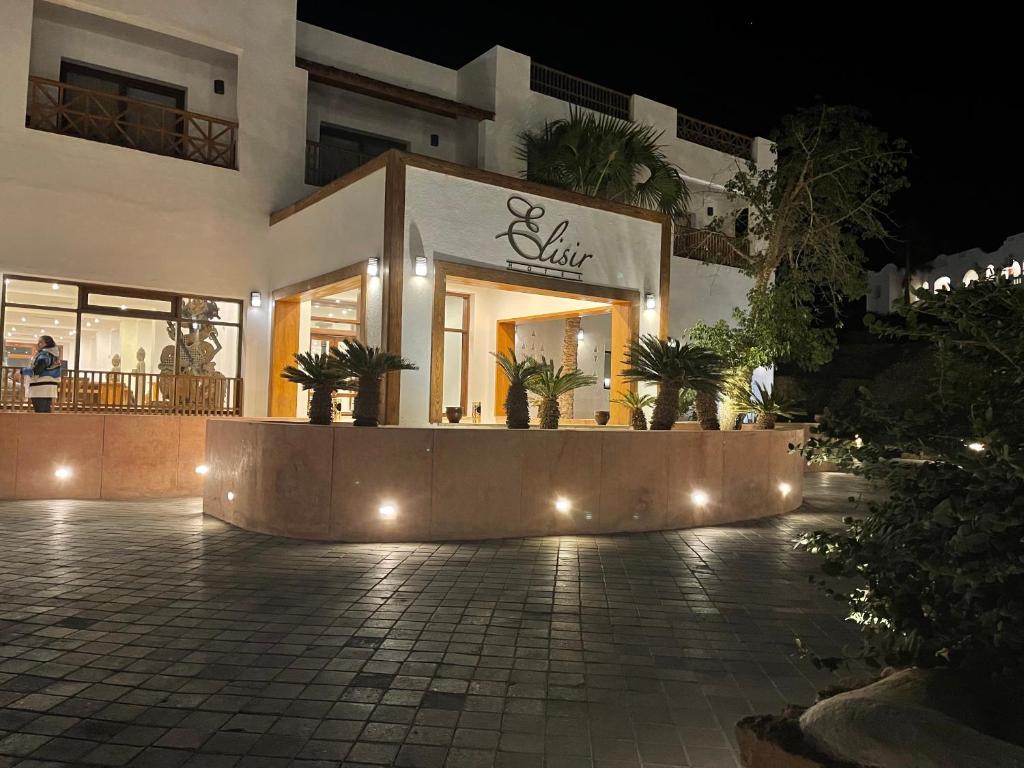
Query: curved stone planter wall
[[331, 483]]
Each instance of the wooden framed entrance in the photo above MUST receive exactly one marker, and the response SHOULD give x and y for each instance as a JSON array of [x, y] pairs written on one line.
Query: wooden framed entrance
[[285, 341], [623, 306]]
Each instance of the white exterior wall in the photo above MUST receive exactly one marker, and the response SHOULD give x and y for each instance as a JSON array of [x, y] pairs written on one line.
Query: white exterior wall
[[457, 220], [82, 210], [708, 292], [60, 33]]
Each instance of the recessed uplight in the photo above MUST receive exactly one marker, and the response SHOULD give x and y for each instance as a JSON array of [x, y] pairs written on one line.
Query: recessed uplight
[[562, 504], [387, 511], [231, 495], [88, 324], [56, 322], [62, 473], [785, 488], [124, 307], [24, 320], [55, 287], [202, 469], [699, 498]]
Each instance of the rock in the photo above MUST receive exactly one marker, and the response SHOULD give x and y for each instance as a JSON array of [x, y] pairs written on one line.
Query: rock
[[911, 719], [766, 741]]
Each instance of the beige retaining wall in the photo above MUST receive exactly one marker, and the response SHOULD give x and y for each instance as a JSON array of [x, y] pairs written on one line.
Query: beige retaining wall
[[330, 482], [116, 456]]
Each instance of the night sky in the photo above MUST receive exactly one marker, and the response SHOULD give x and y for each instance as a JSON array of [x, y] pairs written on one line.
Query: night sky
[[952, 88]]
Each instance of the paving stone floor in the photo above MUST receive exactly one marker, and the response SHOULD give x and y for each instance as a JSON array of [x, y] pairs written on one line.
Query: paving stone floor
[[143, 634]]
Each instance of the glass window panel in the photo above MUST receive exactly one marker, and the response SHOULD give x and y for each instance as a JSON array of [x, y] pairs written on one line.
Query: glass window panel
[[23, 327], [129, 303], [454, 308], [126, 344], [205, 349], [334, 311], [216, 310], [328, 326], [452, 389], [41, 293]]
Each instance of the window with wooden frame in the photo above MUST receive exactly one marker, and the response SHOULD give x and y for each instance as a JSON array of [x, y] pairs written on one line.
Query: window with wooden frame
[[456, 351]]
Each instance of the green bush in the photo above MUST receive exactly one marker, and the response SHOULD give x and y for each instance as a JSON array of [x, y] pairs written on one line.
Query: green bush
[[938, 567]]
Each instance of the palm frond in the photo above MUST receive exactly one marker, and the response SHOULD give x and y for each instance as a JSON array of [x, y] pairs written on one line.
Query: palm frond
[[357, 360], [516, 371], [603, 156], [313, 371], [659, 361], [549, 382], [632, 399]]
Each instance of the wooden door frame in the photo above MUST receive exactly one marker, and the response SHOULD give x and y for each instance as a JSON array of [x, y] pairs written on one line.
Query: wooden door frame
[[284, 331], [624, 305]]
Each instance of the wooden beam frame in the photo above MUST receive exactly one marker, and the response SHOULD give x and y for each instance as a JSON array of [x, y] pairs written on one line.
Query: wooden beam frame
[[396, 94], [624, 305]]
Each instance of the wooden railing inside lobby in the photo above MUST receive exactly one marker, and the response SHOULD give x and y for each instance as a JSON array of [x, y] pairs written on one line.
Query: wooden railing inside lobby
[[138, 393], [113, 119]]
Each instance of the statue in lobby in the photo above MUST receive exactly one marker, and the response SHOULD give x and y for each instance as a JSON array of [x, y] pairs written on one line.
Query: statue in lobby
[[115, 363], [189, 374], [140, 358]]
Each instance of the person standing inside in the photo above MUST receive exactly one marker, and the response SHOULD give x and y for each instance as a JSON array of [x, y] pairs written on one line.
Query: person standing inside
[[42, 379]]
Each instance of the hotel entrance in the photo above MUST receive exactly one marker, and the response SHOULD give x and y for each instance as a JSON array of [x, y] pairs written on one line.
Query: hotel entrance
[[316, 317], [480, 311]]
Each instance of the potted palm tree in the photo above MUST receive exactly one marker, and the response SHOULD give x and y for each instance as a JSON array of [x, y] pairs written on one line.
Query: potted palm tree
[[550, 384], [519, 374], [318, 373], [672, 366], [363, 367], [706, 407], [636, 404]]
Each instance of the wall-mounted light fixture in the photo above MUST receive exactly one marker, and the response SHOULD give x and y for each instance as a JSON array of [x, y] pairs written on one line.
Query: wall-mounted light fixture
[[256, 299], [421, 266], [373, 266], [649, 301]]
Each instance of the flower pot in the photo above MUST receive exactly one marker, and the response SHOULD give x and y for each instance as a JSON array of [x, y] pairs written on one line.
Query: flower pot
[[454, 414], [601, 417]]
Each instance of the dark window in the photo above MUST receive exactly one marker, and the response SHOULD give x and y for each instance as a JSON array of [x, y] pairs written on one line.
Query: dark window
[[124, 117], [742, 223], [342, 150]]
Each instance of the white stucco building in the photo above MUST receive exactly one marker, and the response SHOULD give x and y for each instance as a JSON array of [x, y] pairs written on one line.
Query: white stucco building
[[202, 189], [888, 285]]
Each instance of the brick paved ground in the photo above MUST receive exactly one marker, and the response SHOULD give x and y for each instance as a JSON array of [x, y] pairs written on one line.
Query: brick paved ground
[[143, 634]]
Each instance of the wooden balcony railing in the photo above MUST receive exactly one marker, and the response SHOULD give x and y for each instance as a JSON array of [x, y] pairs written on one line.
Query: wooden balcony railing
[[112, 119], [576, 90], [138, 393], [327, 162], [711, 247], [714, 136]]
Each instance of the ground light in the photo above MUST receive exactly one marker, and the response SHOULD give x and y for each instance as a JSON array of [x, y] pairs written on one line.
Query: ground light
[[785, 488], [699, 498], [62, 473], [231, 495], [562, 504], [202, 469], [976, 446], [387, 511]]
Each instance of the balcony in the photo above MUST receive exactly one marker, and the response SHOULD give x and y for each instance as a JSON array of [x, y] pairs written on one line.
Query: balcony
[[327, 162], [108, 118], [714, 137], [710, 247], [137, 393]]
